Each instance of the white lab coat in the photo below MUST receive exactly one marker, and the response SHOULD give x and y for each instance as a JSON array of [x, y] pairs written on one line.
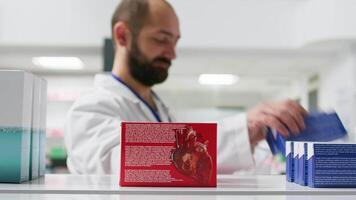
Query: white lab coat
[[92, 133]]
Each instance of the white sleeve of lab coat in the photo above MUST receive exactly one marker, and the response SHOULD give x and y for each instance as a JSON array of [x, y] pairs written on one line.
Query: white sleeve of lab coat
[[92, 135], [234, 149]]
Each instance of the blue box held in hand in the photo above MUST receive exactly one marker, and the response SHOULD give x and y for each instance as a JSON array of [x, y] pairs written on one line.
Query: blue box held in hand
[[321, 127]]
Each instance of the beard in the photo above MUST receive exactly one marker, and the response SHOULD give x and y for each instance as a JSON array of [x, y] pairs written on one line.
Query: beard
[[146, 71]]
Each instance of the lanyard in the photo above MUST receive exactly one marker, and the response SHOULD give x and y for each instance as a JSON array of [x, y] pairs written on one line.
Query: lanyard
[[154, 94], [153, 111]]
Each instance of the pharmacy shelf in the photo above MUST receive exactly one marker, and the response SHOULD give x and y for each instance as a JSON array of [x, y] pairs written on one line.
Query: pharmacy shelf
[[166, 197], [228, 185]]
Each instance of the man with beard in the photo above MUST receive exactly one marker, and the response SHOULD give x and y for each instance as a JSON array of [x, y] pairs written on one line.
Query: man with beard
[[145, 33]]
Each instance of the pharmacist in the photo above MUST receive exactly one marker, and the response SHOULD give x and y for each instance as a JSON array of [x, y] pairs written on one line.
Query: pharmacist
[[146, 33]]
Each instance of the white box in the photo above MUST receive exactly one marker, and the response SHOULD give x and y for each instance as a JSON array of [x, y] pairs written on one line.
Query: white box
[[16, 88], [35, 130], [43, 126]]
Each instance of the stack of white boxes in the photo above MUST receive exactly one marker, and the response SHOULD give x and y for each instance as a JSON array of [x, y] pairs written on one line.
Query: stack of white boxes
[[22, 126]]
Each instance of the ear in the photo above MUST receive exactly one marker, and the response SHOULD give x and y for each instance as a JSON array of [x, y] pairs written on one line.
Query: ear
[[121, 34]]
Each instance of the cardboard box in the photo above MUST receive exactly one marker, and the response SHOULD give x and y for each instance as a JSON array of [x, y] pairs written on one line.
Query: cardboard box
[[320, 127], [168, 154], [43, 127], [302, 164], [35, 130], [16, 88], [296, 161], [289, 161], [331, 165]]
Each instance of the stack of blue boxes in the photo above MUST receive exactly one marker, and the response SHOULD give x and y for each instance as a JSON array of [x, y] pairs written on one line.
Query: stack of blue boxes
[[312, 159], [322, 164]]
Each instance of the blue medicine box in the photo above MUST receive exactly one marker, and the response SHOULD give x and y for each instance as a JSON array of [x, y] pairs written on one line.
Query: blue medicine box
[[302, 164], [296, 161], [289, 161], [331, 165], [320, 127]]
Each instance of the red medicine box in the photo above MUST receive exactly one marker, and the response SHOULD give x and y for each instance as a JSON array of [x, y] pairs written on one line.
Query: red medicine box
[[168, 154]]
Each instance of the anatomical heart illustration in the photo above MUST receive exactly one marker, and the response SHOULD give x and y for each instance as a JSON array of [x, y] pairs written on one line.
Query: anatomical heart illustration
[[168, 154], [191, 156]]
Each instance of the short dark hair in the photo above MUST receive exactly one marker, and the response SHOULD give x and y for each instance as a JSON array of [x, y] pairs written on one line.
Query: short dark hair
[[134, 13]]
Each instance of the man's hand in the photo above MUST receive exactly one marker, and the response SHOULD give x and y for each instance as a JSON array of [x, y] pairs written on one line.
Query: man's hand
[[286, 117]]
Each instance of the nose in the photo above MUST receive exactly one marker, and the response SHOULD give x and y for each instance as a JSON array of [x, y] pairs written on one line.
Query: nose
[[170, 53]]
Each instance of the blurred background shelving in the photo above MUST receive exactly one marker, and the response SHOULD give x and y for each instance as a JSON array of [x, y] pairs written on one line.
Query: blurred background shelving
[[299, 49]]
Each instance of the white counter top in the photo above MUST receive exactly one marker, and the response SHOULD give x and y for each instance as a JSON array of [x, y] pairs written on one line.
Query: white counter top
[[108, 185]]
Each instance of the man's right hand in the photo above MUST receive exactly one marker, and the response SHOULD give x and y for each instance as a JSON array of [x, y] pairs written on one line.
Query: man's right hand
[[286, 117]]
